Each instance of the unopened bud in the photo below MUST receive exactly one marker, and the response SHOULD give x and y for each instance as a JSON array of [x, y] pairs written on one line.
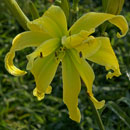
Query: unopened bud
[[113, 6]]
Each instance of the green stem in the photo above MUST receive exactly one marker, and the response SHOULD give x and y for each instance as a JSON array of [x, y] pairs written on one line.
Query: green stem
[[73, 12], [14, 8], [97, 116], [103, 28]]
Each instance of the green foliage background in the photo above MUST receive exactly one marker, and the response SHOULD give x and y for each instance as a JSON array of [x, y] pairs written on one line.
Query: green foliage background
[[20, 110]]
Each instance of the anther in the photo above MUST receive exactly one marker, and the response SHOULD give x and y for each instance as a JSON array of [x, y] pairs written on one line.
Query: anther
[[64, 49], [41, 55], [55, 54], [60, 49], [80, 54]]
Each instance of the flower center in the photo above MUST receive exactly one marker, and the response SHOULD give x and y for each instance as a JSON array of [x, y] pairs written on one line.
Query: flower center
[[60, 52]]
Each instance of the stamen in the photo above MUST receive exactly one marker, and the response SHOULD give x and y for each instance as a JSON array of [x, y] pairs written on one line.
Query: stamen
[[60, 48], [80, 54], [55, 54], [64, 48], [59, 54], [41, 56]]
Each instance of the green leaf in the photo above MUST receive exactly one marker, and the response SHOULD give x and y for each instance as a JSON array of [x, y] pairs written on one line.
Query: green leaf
[[119, 112], [64, 4], [125, 100]]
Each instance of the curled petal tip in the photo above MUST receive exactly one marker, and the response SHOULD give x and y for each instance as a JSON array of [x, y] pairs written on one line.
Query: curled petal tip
[[100, 104], [110, 75], [116, 72], [97, 104], [48, 90], [39, 96], [10, 66], [120, 35]]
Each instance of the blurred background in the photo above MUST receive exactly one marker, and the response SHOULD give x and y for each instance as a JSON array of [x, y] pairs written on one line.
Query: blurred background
[[20, 110]]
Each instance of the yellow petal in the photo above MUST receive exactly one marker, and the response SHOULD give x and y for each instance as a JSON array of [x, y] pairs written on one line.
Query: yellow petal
[[84, 70], [88, 47], [41, 96], [93, 20], [10, 66], [45, 24], [57, 15], [74, 40], [43, 50], [48, 90], [97, 104], [105, 56], [44, 70], [21, 41], [86, 74], [71, 87]]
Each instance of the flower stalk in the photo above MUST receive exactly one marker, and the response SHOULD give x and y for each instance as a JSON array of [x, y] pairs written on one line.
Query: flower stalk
[[14, 8], [97, 115], [74, 12]]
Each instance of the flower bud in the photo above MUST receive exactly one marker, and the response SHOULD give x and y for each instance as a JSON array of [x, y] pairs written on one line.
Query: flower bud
[[112, 6]]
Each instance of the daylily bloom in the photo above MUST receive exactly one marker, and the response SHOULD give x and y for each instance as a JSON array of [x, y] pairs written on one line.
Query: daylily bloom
[[55, 44]]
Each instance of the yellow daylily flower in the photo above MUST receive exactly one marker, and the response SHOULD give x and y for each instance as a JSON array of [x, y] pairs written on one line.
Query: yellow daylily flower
[[55, 44]]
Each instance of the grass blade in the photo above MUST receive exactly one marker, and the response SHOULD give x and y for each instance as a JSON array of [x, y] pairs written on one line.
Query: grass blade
[[119, 112]]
